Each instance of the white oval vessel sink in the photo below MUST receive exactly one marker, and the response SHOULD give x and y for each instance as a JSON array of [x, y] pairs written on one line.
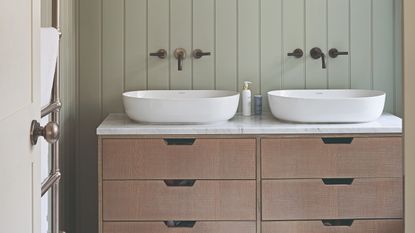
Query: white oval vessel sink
[[327, 106], [181, 106]]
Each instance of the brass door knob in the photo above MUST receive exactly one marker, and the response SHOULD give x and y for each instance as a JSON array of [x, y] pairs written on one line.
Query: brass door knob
[[50, 132]]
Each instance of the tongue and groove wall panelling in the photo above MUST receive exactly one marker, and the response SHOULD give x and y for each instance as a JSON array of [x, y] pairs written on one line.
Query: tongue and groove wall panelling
[[338, 37], [204, 39], [135, 47], [361, 44], [112, 56], [293, 31], [272, 56], [181, 37], [384, 49], [226, 41], [248, 44], [158, 37], [316, 31]]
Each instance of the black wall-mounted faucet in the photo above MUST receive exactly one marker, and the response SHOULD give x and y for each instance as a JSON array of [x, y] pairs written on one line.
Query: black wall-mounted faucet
[[180, 55], [316, 53]]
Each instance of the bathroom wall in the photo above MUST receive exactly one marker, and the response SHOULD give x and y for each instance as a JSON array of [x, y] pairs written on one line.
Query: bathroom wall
[[69, 106], [249, 40]]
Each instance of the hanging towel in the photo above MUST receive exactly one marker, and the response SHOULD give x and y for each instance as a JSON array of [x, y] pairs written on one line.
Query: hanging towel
[[49, 49]]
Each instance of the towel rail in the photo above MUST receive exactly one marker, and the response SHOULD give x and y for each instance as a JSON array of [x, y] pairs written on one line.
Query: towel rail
[[53, 107], [49, 181]]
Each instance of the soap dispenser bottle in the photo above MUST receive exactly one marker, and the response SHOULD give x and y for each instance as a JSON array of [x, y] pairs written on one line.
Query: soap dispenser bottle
[[246, 99]]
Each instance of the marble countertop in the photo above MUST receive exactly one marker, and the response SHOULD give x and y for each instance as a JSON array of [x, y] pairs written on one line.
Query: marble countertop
[[120, 124]]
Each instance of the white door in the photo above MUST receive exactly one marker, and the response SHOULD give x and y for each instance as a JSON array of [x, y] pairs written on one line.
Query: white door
[[19, 105]]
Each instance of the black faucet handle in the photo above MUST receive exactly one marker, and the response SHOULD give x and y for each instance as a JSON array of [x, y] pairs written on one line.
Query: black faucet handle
[[198, 53], [333, 53], [316, 53], [297, 53], [161, 53]]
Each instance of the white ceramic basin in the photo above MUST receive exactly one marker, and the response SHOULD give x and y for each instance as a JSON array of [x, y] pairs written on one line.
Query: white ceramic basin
[[181, 106], [327, 106]]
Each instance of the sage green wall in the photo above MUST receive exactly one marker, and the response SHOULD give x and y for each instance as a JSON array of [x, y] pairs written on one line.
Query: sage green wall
[[249, 40], [69, 107]]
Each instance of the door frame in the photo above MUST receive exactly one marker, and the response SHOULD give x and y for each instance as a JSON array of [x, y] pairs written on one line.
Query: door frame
[[409, 112]]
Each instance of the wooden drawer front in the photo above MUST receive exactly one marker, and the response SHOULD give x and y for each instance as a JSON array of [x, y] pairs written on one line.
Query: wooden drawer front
[[160, 227], [358, 226], [154, 200], [312, 158], [154, 159], [312, 199]]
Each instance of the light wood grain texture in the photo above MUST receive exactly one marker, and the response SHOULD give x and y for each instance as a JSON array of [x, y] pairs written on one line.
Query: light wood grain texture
[[199, 227], [383, 50], [293, 31], [361, 44], [204, 39], [359, 226], [112, 56], [158, 38], [154, 159], [181, 37], [311, 199], [272, 56], [311, 158], [338, 37], [154, 200], [135, 48], [316, 21]]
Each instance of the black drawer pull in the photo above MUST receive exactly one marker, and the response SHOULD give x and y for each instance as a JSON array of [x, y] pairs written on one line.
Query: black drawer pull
[[337, 140], [180, 141], [337, 222], [177, 224], [338, 181], [180, 183]]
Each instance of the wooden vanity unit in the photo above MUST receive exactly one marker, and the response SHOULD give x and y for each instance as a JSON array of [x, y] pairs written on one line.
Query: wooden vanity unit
[[199, 179]]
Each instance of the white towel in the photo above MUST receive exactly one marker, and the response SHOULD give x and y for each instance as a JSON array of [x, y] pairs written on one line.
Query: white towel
[[49, 49]]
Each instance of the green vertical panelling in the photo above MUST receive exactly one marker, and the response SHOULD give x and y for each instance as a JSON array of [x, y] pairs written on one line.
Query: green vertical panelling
[[181, 37], [383, 50], [158, 38], [361, 44], [135, 50], [204, 39], [90, 100], [271, 48], [316, 21], [293, 37], [226, 45], [248, 44], [398, 59], [112, 56], [338, 37]]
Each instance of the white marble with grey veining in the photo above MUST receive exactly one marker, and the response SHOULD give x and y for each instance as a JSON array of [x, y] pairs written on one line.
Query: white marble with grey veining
[[120, 124]]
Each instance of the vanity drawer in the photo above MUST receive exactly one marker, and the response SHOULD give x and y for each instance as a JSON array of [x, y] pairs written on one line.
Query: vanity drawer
[[156, 200], [358, 226], [198, 227], [331, 157], [179, 158], [332, 199]]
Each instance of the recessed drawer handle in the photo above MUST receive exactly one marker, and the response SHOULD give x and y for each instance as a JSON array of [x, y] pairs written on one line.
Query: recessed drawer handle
[[337, 222], [338, 181], [179, 141], [337, 140], [178, 224], [179, 183]]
